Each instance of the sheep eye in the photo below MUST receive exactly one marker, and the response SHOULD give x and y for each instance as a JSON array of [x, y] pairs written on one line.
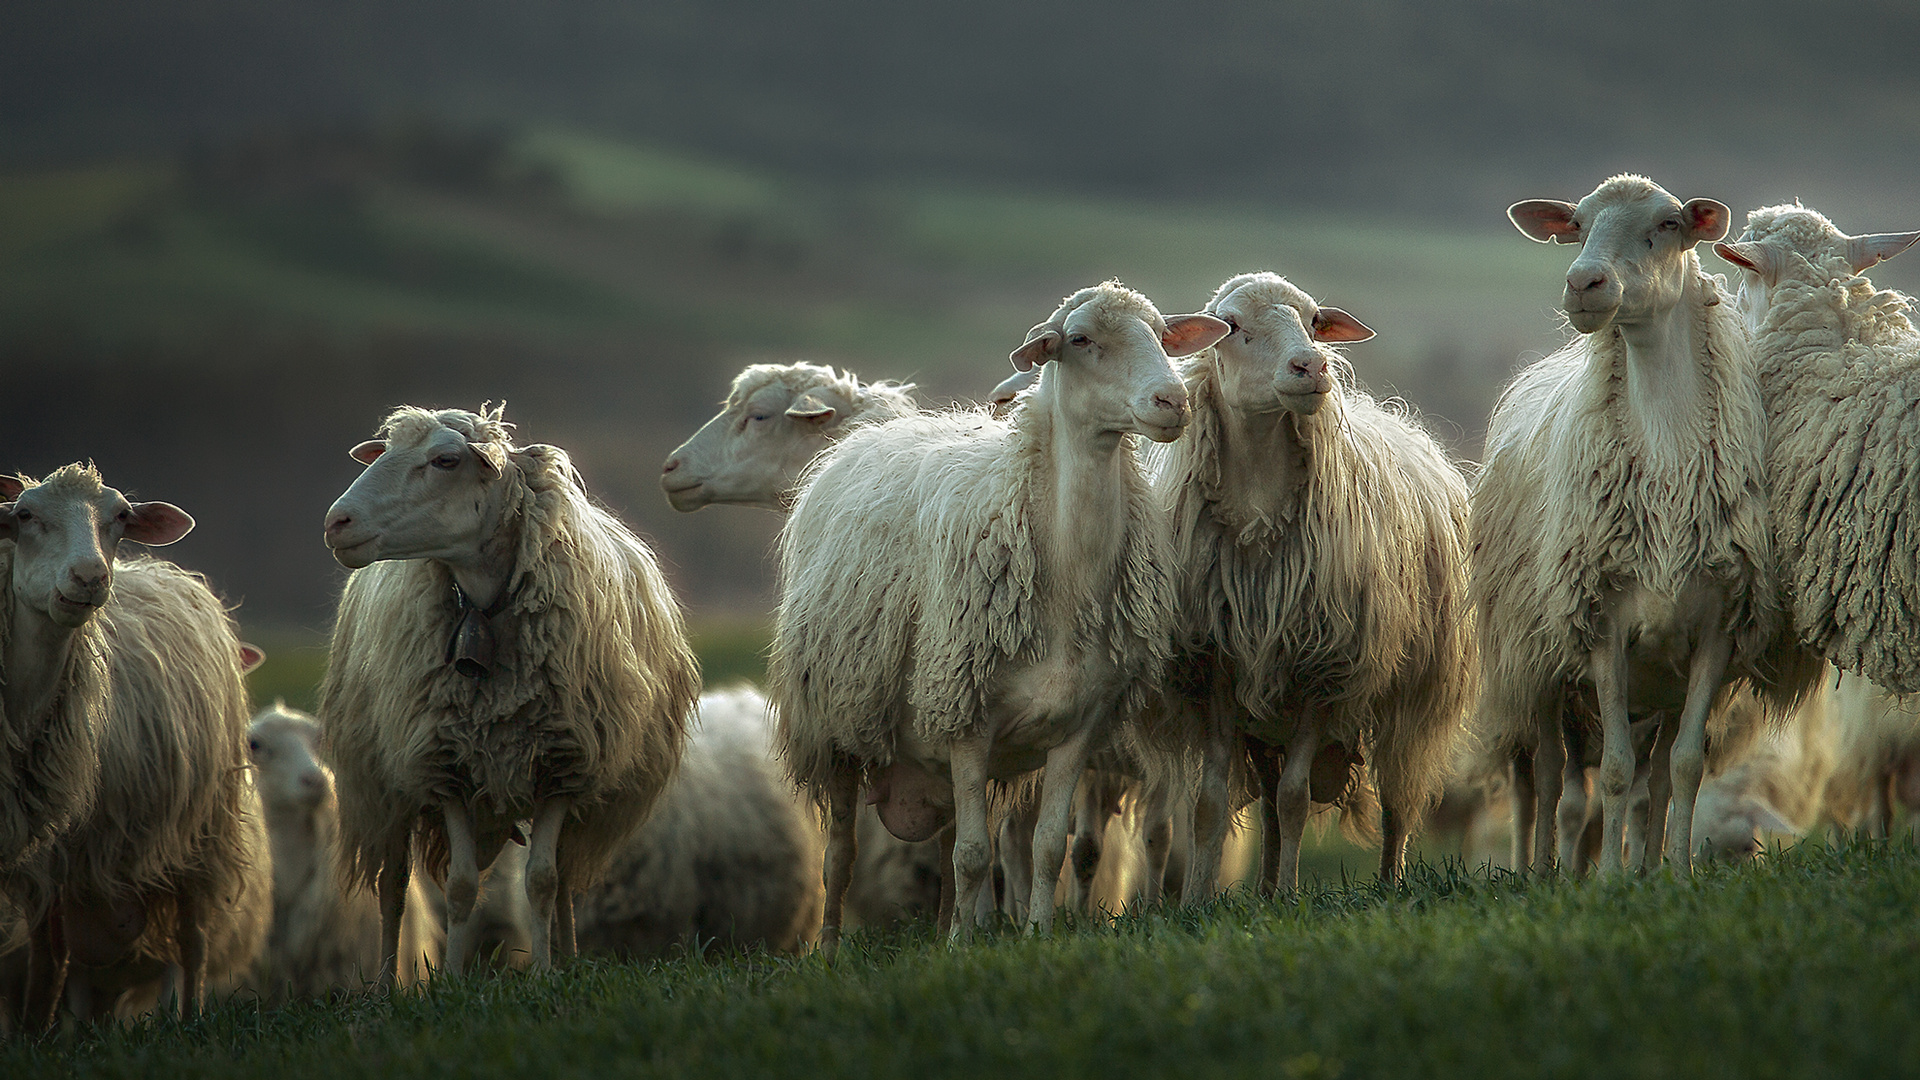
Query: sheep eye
[[253, 745], [760, 417], [23, 515], [447, 461], [1079, 341]]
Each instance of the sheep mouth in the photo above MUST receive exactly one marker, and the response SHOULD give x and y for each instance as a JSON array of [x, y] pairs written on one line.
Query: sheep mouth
[[1163, 433], [1589, 320], [686, 496], [354, 555], [68, 611]]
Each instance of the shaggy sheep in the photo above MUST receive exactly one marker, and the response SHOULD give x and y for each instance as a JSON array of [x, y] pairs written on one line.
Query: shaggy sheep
[[730, 856], [505, 649], [324, 938], [1009, 602], [1322, 540], [775, 419], [1775, 784], [1620, 526], [166, 867], [1839, 366]]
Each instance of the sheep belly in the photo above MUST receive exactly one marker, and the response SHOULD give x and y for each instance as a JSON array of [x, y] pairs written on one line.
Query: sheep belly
[[1662, 633]]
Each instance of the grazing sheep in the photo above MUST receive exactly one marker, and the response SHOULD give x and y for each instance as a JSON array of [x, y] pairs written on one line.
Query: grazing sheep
[[1876, 771], [324, 938], [1839, 365], [1621, 537], [165, 867], [1777, 783], [775, 419], [1323, 597], [730, 856], [967, 599], [505, 649]]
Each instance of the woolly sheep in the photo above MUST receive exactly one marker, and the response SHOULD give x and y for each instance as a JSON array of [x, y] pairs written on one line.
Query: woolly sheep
[[775, 419], [1775, 785], [1323, 592], [504, 650], [1620, 524], [1011, 603], [166, 866], [730, 856], [1839, 365], [323, 937], [1877, 763]]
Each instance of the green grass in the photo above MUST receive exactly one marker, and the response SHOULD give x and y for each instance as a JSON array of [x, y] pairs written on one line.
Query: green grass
[[1799, 965]]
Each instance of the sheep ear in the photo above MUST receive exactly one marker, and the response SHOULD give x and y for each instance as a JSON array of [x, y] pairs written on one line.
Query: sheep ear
[[1708, 220], [1011, 386], [251, 656], [1752, 255], [810, 407], [1332, 324], [1039, 349], [489, 468], [1548, 221], [367, 452], [1767, 819], [6, 521], [1865, 251], [157, 524], [11, 487], [1188, 334]]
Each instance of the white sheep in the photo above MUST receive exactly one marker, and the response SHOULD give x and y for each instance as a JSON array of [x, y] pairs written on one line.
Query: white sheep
[[1839, 364], [1877, 764], [1620, 523], [324, 938], [967, 599], [775, 419], [1322, 542], [1775, 784], [730, 855], [505, 649], [165, 867]]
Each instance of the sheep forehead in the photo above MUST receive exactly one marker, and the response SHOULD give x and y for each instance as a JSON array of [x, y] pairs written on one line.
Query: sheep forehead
[[1628, 192], [408, 427], [69, 483], [1108, 308], [1804, 230], [1258, 297], [791, 379]]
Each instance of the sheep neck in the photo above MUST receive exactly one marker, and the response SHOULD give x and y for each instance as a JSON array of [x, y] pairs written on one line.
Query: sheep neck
[[38, 653], [1665, 389], [1084, 467], [485, 574], [1263, 467]]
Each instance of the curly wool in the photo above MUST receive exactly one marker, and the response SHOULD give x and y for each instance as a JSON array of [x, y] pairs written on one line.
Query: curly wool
[[588, 698], [882, 399], [1563, 509], [1839, 364], [1355, 600]]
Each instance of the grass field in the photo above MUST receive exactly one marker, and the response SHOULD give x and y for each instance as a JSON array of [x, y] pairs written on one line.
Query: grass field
[[1800, 965]]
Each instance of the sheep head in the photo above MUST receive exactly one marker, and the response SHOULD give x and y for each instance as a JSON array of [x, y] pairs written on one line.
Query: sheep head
[[1277, 355], [775, 420], [1110, 349], [66, 531], [1634, 244], [432, 489], [1795, 241]]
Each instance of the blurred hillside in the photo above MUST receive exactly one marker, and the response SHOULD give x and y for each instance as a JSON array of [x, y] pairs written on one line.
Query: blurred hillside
[[233, 235]]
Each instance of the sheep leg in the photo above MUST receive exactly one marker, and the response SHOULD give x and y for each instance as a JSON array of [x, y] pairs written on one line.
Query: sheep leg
[[843, 807], [543, 875], [563, 938], [1156, 828], [1689, 752], [1266, 766], [1394, 829], [1607, 664], [1289, 799], [1549, 765], [47, 958], [1065, 765], [190, 934], [392, 886], [1570, 817], [1088, 827], [1659, 793], [972, 847], [1520, 770], [1210, 816], [1016, 857], [944, 920], [463, 887]]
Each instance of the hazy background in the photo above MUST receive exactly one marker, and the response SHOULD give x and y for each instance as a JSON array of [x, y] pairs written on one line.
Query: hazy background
[[233, 234]]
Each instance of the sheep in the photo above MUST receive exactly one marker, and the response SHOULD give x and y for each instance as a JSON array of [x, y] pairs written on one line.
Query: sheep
[[164, 868], [323, 938], [775, 419], [1775, 784], [966, 599], [1877, 763], [1620, 523], [729, 856], [1322, 541], [504, 649], [1839, 365]]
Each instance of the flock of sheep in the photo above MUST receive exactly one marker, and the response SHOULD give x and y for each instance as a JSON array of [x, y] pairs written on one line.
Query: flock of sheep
[[1004, 631]]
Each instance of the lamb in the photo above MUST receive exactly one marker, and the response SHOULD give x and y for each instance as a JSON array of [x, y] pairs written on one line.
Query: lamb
[[123, 681], [323, 938], [730, 856], [1322, 541], [1839, 365], [1009, 605], [775, 419], [505, 649], [1620, 527]]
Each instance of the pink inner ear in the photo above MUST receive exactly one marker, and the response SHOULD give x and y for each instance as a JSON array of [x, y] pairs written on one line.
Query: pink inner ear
[[368, 452], [1037, 350], [1188, 334], [1710, 219], [1544, 220], [1334, 325], [157, 523], [11, 487], [251, 656]]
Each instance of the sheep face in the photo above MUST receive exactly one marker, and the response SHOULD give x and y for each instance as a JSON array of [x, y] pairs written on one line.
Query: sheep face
[[1634, 239], [1274, 357], [66, 532], [750, 453], [436, 497], [284, 750], [1784, 241], [1110, 363]]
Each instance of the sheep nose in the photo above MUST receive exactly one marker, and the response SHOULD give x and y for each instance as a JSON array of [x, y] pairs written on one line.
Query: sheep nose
[[89, 575], [312, 783], [1584, 278], [337, 523], [1311, 364], [672, 464], [1171, 400]]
